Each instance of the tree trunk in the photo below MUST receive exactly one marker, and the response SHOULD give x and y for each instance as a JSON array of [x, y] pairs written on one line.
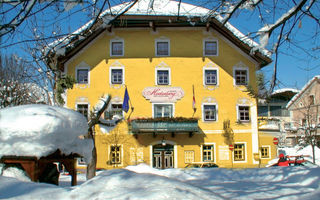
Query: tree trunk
[[313, 154], [91, 167]]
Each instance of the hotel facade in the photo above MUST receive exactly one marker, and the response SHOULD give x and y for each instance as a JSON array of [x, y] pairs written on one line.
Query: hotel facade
[[186, 81]]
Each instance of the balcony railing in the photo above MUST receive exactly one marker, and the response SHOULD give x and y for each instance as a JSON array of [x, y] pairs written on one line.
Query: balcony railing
[[161, 126], [265, 124]]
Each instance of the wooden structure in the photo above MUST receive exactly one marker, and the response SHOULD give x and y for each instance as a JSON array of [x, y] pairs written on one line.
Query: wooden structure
[[36, 168]]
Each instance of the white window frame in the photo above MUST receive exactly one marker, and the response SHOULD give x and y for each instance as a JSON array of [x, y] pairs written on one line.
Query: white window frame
[[83, 103], [269, 151], [203, 115], [204, 46], [204, 76], [238, 114], [234, 75], [76, 74], [110, 109], [110, 76], [153, 111], [116, 40], [121, 154], [214, 152], [245, 153], [156, 47], [162, 69]]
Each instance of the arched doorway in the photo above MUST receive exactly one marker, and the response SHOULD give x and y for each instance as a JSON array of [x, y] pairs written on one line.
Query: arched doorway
[[163, 156]]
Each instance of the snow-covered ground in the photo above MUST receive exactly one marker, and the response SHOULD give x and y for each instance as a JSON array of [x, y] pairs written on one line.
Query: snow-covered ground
[[143, 182]]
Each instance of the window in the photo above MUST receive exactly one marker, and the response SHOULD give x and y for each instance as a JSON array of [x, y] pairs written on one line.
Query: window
[[210, 48], [241, 76], [244, 114], [239, 152], [264, 152], [115, 154], [163, 77], [116, 76], [311, 100], [207, 153], [303, 122], [163, 110], [263, 111], [209, 112], [116, 48], [275, 111], [82, 76], [162, 48], [116, 109], [188, 156], [83, 109], [210, 77]]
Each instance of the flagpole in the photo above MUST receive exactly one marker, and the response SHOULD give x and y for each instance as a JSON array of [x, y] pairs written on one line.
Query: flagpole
[[193, 102]]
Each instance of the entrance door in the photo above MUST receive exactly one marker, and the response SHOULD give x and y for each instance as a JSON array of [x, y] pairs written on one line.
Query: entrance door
[[163, 156]]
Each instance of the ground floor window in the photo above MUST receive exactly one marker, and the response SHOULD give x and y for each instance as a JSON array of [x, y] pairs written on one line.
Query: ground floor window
[[188, 156], [207, 153], [265, 152], [115, 154], [239, 152]]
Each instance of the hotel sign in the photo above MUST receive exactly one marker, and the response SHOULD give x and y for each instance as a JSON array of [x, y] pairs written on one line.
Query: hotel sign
[[163, 94]]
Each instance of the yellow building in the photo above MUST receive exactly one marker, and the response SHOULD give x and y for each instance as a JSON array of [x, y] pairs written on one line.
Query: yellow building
[[165, 61]]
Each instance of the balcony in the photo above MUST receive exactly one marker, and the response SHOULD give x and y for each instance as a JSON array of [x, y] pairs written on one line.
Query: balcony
[[164, 125], [269, 124]]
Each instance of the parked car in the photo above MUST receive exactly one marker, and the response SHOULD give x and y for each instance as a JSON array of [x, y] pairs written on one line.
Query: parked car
[[295, 161], [202, 165]]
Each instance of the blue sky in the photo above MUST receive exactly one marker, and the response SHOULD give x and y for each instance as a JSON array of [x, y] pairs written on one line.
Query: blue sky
[[293, 71]]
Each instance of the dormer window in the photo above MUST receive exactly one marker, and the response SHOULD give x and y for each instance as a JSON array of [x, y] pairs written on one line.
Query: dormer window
[[82, 76], [162, 48], [116, 47], [210, 48]]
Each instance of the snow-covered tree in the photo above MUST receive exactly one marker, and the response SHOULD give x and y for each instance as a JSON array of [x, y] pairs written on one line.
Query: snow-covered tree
[[16, 87]]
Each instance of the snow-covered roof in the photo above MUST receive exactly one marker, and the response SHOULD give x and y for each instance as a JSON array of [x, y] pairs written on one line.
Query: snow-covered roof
[[156, 8], [295, 97], [39, 130], [283, 90]]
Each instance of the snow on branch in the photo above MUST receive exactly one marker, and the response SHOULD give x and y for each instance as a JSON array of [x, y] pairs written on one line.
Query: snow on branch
[[266, 31]]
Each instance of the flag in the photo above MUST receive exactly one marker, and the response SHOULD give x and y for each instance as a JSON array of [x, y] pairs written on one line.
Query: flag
[[125, 104], [193, 99]]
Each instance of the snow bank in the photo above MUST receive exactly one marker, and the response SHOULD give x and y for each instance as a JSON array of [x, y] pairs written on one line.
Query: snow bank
[[39, 130], [143, 182]]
